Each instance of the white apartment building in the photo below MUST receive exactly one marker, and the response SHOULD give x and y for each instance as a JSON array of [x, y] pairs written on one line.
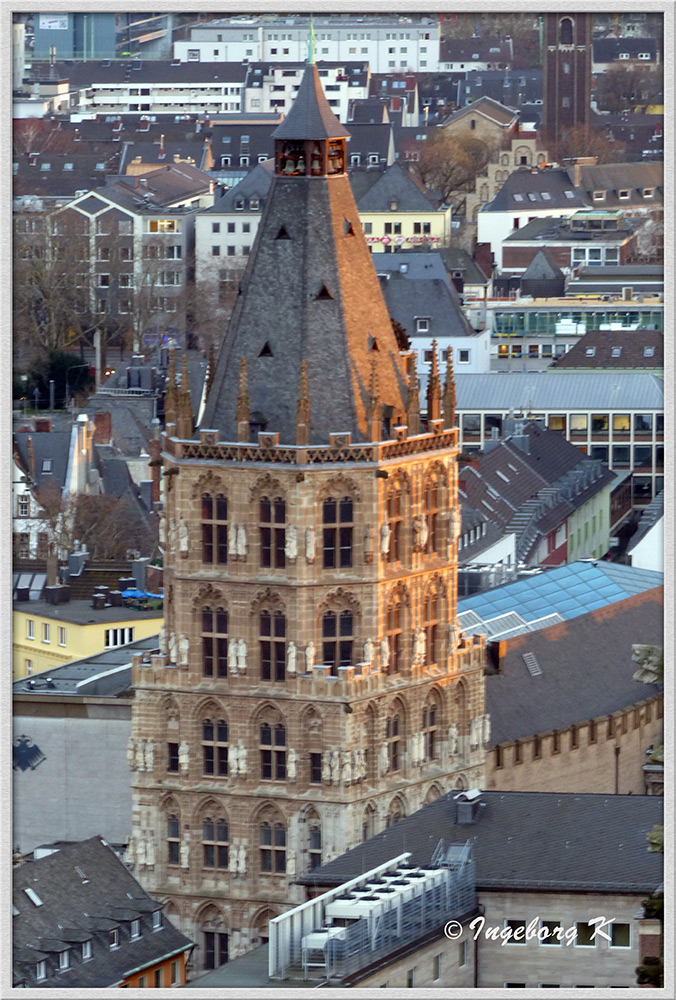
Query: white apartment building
[[271, 88], [388, 44]]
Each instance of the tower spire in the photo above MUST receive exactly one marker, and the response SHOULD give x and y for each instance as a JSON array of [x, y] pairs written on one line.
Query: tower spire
[[450, 400], [434, 389], [412, 398], [242, 415], [184, 416], [303, 408]]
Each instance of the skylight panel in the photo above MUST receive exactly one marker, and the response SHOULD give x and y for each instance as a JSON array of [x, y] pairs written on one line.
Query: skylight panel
[[518, 197], [502, 475], [569, 194], [534, 668], [33, 896]]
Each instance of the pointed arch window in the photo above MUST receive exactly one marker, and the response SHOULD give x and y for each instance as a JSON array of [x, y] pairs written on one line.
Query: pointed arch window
[[214, 529], [395, 518], [431, 507], [395, 813], [173, 839], [272, 514], [214, 642], [393, 734], [394, 629], [315, 842], [566, 31], [431, 625], [337, 640], [338, 527], [215, 748], [215, 843], [429, 729], [273, 645], [368, 826], [273, 847], [273, 752]]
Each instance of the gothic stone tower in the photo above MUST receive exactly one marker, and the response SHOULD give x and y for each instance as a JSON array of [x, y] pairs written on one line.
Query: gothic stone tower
[[567, 76], [312, 686]]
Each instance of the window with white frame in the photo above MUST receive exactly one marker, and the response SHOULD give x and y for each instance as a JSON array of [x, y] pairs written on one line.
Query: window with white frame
[[114, 938], [463, 357], [24, 505], [86, 950], [41, 970], [118, 636], [62, 636], [45, 632], [30, 628], [623, 195], [422, 325], [135, 929]]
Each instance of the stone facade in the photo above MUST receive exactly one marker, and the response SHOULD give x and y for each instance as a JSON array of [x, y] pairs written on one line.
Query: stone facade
[[349, 767], [606, 754]]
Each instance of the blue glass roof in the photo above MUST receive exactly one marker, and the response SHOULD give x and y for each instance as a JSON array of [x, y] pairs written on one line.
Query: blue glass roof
[[567, 590]]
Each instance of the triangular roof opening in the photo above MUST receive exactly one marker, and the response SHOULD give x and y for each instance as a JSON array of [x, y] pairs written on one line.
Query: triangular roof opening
[[324, 293], [282, 234], [266, 350], [348, 230]]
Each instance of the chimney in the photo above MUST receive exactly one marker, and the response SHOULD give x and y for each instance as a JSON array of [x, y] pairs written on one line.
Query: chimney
[[103, 428], [155, 447], [467, 805]]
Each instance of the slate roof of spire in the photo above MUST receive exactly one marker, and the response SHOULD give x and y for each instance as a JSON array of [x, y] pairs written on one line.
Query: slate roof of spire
[[310, 293], [310, 116]]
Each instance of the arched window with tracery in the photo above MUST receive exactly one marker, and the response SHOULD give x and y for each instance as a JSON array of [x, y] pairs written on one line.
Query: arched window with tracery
[[214, 529], [215, 841], [337, 532], [396, 812], [314, 839], [395, 627], [432, 500], [272, 515], [395, 522], [272, 643], [213, 937], [337, 639], [214, 642], [368, 825], [215, 748], [432, 625], [272, 843], [173, 835], [394, 733], [272, 748], [431, 717]]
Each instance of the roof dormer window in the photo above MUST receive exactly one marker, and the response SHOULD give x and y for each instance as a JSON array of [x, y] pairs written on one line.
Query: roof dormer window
[[623, 194], [648, 192], [599, 195]]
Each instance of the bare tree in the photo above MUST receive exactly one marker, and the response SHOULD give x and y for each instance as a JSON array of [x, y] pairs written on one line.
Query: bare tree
[[629, 88], [450, 165], [581, 141]]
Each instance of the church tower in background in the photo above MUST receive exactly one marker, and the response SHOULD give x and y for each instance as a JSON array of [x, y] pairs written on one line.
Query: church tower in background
[[312, 686], [567, 73]]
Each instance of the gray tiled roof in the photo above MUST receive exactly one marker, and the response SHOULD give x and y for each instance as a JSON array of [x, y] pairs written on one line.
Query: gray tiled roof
[[411, 297], [560, 390], [587, 669], [632, 345], [650, 515], [80, 885], [310, 116], [542, 267], [493, 110], [526, 841], [395, 184], [48, 446], [608, 49], [513, 195]]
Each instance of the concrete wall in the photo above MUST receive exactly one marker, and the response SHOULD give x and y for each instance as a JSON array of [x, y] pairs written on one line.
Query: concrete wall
[[82, 787], [442, 963]]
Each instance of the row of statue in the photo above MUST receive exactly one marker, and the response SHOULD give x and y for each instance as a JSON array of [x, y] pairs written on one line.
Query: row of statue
[[141, 849], [348, 768], [140, 754], [178, 538]]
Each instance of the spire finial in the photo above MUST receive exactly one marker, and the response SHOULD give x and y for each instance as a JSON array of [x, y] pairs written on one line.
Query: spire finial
[[184, 415], [450, 400], [373, 417], [171, 393], [303, 408], [412, 398], [434, 388], [242, 408], [311, 42]]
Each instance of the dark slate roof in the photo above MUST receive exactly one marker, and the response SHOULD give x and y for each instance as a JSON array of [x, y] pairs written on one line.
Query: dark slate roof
[[192, 151], [484, 49], [558, 230], [513, 195], [411, 297], [511, 87], [61, 175], [80, 886], [526, 841], [152, 71], [650, 516], [615, 177], [634, 346], [48, 446], [542, 268], [169, 183], [81, 612], [587, 669], [396, 184], [368, 111], [457, 259], [256, 184], [368, 138], [415, 265], [643, 278], [608, 49], [310, 116]]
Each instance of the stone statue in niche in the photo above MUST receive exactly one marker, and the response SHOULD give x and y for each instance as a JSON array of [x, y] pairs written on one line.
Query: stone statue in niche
[[385, 532], [131, 752], [172, 535], [383, 760], [183, 756], [140, 755], [241, 860], [291, 658], [183, 538], [335, 767], [453, 739], [419, 645], [183, 650], [185, 854], [420, 532], [140, 852], [347, 769], [242, 764], [291, 764], [232, 657], [241, 541], [384, 654], [233, 760], [150, 849], [475, 727], [290, 863], [162, 641], [172, 647], [232, 539], [291, 543], [326, 767], [369, 651], [310, 545], [232, 861], [456, 522], [309, 657], [486, 730], [162, 531], [241, 656], [130, 853], [149, 755], [368, 544]]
